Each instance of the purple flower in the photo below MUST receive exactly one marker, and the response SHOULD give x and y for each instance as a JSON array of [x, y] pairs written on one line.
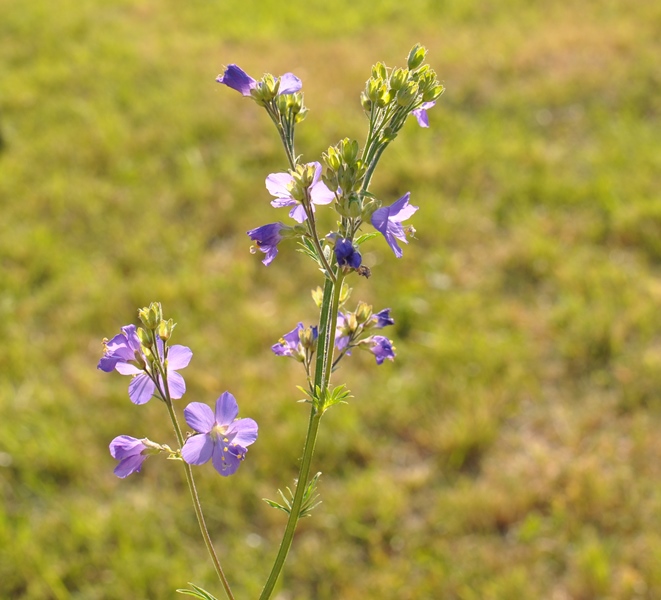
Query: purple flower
[[421, 113], [123, 353], [278, 185], [130, 452], [382, 348], [292, 345], [267, 238], [237, 79], [383, 318], [388, 221], [346, 254], [221, 436]]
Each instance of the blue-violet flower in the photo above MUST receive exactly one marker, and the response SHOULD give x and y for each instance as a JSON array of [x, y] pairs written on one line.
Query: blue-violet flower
[[124, 354], [237, 79], [267, 238], [221, 436], [388, 221], [382, 348], [346, 253], [421, 113], [130, 452]]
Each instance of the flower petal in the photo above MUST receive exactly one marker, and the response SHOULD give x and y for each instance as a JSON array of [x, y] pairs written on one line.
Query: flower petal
[[125, 445], [176, 385], [237, 79], [320, 194], [127, 369], [141, 389], [179, 357], [224, 462], [298, 213], [131, 464], [244, 430], [198, 449], [199, 417], [276, 184], [289, 84], [226, 409]]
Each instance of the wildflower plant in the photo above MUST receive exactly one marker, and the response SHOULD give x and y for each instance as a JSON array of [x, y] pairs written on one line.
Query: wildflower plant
[[339, 182]]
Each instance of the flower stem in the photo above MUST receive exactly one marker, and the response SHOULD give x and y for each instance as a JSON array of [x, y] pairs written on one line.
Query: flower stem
[[325, 346], [197, 507]]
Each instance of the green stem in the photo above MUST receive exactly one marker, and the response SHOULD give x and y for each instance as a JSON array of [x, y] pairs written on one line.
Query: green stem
[[197, 507], [325, 345]]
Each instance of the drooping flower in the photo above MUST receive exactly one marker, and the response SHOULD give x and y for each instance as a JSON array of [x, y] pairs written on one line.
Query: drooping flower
[[421, 113], [346, 253], [130, 452], [124, 354], [382, 348], [383, 318], [388, 221], [297, 343], [279, 185], [237, 79], [220, 437], [267, 238]]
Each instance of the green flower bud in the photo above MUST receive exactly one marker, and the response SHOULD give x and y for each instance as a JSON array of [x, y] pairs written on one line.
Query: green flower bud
[[151, 316], [372, 89], [332, 159], [165, 329], [363, 312], [144, 337], [369, 207], [416, 56], [433, 93], [349, 150], [379, 71], [385, 96], [407, 94], [398, 79], [318, 296], [365, 102], [354, 206], [307, 339], [300, 116]]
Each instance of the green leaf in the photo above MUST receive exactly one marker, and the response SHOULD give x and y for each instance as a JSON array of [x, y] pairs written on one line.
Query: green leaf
[[197, 592]]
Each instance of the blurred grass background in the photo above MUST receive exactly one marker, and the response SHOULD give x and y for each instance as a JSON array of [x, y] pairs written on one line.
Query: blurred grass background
[[511, 451]]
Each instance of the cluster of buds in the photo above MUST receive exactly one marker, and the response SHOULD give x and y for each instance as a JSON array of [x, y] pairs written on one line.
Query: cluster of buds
[[409, 88]]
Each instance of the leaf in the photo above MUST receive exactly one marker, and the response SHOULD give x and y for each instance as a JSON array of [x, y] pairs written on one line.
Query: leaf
[[197, 592]]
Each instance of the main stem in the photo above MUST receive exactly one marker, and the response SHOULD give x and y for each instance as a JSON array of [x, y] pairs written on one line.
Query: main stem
[[325, 345]]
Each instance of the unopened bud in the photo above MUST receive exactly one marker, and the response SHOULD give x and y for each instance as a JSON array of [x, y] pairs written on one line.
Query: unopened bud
[[398, 79], [165, 329], [407, 94], [363, 312], [144, 337], [416, 56]]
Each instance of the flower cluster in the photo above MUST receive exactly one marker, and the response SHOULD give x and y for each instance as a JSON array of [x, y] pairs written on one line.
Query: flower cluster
[[390, 96], [144, 353]]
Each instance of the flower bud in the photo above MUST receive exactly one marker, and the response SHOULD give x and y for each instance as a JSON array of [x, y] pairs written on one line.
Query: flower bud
[[433, 93], [416, 56], [365, 102], [151, 316], [372, 89], [407, 94], [332, 159], [318, 296], [144, 337], [165, 329], [308, 338], [379, 71], [363, 312], [349, 150], [398, 79]]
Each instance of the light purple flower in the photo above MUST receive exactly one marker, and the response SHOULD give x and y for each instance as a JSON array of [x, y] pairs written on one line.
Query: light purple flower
[[237, 79], [130, 452], [290, 344], [278, 185], [421, 113], [383, 318], [267, 238], [388, 221], [382, 348], [221, 436], [123, 353]]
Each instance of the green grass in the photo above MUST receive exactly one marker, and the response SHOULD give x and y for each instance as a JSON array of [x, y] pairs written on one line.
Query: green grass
[[511, 451]]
